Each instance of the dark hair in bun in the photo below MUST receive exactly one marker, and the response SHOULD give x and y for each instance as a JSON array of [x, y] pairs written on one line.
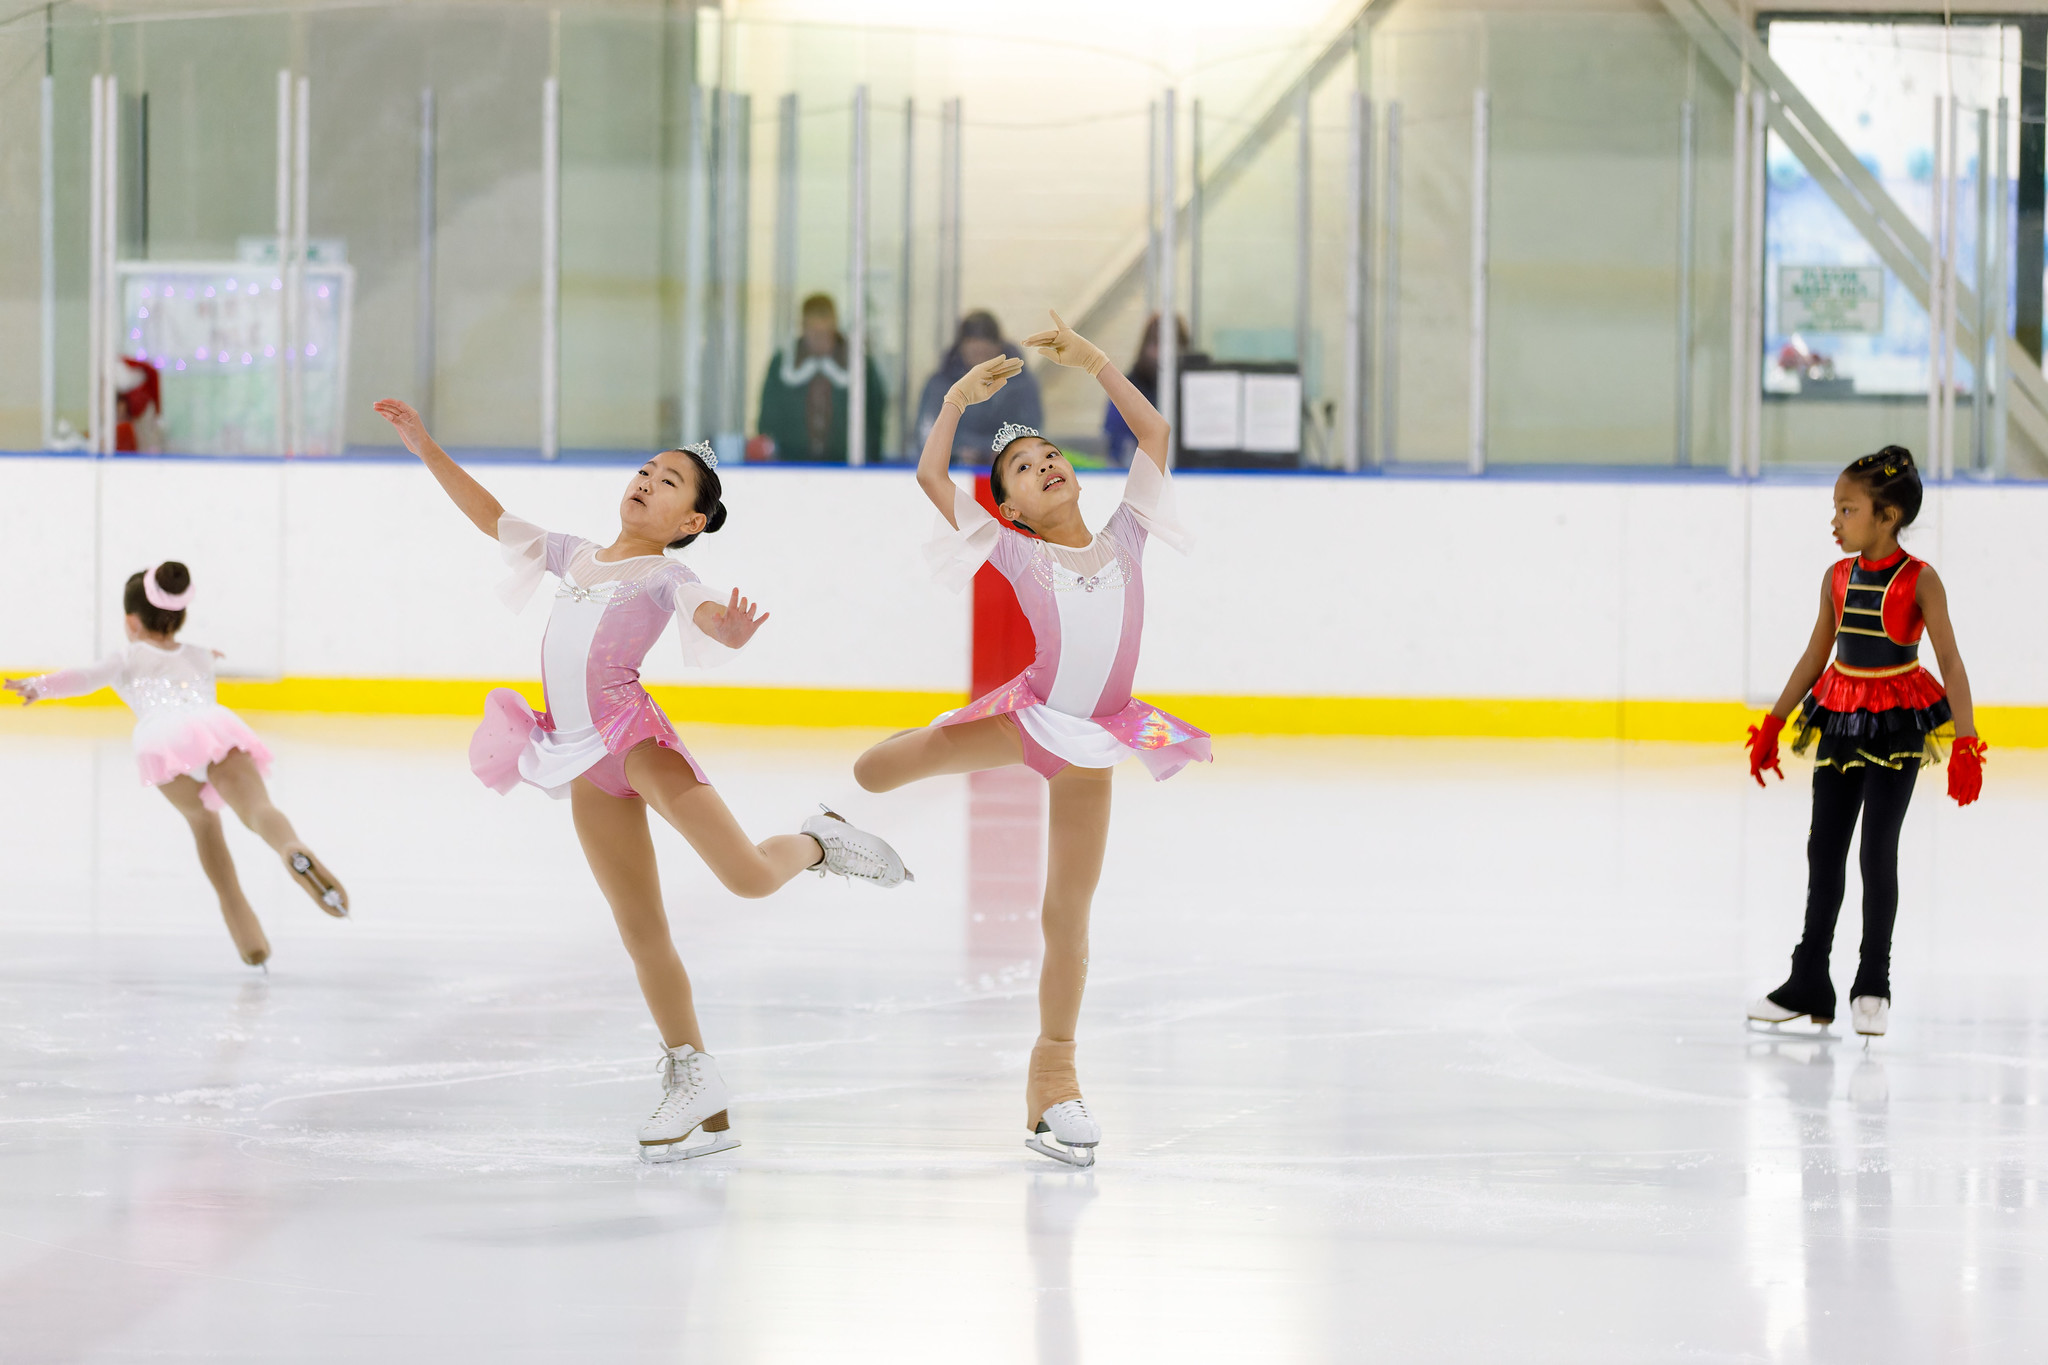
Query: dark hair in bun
[[1892, 480], [709, 493], [171, 577]]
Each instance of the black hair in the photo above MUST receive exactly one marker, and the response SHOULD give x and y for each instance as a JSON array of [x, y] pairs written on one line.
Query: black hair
[[171, 577], [995, 475], [1892, 480], [709, 493]]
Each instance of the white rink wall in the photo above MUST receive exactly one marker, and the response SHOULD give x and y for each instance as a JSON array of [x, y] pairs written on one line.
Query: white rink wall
[[1301, 586]]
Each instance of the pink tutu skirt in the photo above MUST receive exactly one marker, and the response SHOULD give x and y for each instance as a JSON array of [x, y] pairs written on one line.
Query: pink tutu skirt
[[1160, 740], [183, 743], [515, 744]]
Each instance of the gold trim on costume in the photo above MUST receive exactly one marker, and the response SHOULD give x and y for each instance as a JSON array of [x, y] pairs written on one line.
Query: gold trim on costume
[[1849, 672]]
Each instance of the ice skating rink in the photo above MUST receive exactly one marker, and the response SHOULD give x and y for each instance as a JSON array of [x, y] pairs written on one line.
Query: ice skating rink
[[1405, 1051]]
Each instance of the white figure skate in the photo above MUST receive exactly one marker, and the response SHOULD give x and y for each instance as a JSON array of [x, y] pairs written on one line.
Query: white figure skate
[[1870, 1014], [1067, 1132], [318, 882], [853, 853], [693, 1096], [1768, 1017]]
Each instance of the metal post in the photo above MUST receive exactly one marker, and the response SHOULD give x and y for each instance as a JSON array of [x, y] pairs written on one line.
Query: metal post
[[1980, 398], [1357, 278], [731, 267], [1937, 315], [947, 295], [96, 218], [1687, 154], [550, 268], [302, 184], [423, 305], [1951, 295], [1475, 459], [1169, 317], [1304, 227], [284, 294], [1152, 209], [1739, 291], [47, 222], [110, 247], [1390, 293], [907, 432], [2032, 192], [857, 289], [786, 154], [1994, 340], [1195, 208], [1759, 135], [694, 271]]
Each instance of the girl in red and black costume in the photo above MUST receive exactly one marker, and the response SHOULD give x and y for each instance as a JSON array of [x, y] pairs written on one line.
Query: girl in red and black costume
[[1872, 716]]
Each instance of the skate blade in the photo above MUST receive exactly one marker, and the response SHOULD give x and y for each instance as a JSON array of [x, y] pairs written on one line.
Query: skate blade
[[661, 1154], [325, 892], [1071, 1156], [1818, 1033]]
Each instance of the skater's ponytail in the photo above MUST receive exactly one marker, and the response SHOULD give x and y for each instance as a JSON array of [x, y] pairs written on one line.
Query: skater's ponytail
[[173, 587], [709, 495], [1892, 480]]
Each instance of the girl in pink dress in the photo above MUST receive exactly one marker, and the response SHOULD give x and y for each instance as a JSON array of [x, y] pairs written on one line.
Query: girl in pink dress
[[1070, 717], [605, 745], [195, 751]]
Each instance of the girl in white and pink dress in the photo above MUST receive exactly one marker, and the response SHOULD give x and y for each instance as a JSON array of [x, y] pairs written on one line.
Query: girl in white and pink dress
[[195, 751], [603, 743], [1070, 717]]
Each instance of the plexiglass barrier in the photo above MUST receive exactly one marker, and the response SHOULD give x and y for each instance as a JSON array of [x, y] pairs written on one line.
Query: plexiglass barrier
[[1413, 236]]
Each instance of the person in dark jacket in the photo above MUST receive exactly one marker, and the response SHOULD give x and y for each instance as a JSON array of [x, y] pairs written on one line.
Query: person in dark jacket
[[1145, 374], [980, 338], [803, 395]]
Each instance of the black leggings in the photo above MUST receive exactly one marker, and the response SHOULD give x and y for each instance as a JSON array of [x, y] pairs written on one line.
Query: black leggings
[[1882, 795]]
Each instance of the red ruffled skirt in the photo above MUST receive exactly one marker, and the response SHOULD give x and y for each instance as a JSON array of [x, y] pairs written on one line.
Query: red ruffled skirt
[[1888, 721]]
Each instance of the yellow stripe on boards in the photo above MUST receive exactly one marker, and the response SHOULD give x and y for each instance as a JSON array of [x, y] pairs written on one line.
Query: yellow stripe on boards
[[2020, 727]]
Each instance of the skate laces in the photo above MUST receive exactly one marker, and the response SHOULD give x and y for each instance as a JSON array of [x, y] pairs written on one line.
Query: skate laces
[[852, 859], [680, 1083]]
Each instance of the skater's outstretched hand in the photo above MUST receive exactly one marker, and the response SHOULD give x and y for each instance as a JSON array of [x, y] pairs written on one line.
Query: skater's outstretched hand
[[979, 384], [411, 427], [1763, 749], [24, 688], [1065, 346], [733, 624]]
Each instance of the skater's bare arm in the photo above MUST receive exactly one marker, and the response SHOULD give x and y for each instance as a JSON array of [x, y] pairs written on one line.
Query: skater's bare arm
[[472, 497], [1808, 670], [1932, 598], [1065, 346], [934, 463]]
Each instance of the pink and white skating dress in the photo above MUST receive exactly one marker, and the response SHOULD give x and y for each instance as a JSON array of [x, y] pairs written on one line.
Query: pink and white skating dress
[[606, 616], [1086, 607], [179, 727]]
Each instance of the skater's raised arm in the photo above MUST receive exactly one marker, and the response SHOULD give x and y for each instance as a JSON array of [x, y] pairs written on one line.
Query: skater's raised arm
[[1814, 661], [1065, 346], [472, 497], [935, 462]]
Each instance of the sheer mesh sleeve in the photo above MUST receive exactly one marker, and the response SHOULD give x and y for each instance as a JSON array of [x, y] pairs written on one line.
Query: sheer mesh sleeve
[[1149, 494], [955, 551], [531, 553], [682, 593], [76, 682]]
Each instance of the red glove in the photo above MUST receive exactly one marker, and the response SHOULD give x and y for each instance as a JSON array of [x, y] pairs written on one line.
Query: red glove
[[1966, 769], [1763, 749]]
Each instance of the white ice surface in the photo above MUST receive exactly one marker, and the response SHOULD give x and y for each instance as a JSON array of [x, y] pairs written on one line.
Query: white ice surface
[[1404, 1051]]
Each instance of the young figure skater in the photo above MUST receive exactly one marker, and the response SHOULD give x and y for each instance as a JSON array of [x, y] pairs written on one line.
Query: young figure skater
[[1874, 714], [1070, 717], [604, 744], [195, 751]]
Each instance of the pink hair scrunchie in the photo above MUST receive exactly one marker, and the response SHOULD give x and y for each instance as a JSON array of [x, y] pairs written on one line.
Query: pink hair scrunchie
[[158, 598]]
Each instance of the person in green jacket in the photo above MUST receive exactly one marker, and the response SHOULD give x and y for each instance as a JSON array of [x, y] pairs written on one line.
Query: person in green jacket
[[803, 395]]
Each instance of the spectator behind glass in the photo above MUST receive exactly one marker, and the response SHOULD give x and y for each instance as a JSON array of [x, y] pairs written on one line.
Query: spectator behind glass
[[803, 395], [1145, 375], [980, 338]]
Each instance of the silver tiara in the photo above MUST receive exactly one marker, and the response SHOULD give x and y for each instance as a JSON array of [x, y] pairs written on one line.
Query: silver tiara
[[1012, 431], [703, 451]]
